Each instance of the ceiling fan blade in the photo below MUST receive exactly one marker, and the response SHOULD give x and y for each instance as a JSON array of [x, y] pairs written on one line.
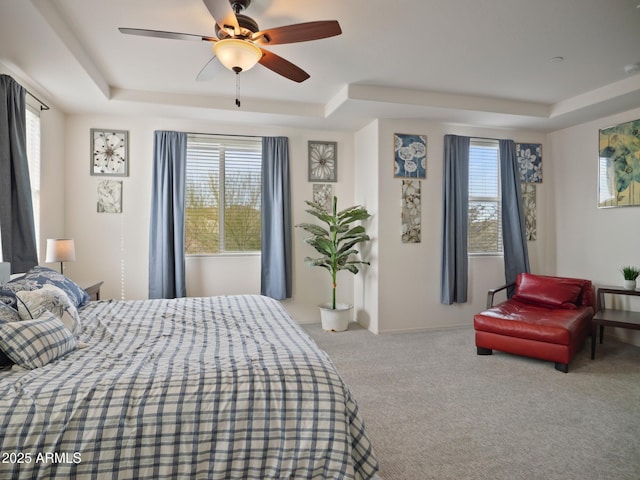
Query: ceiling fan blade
[[282, 67], [170, 35], [222, 13], [299, 32], [210, 70]]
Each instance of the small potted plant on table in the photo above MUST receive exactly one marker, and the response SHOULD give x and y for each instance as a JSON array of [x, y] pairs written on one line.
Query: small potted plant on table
[[630, 275], [335, 244]]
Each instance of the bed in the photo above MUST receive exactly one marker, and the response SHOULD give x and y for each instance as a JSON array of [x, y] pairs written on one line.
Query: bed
[[215, 388]]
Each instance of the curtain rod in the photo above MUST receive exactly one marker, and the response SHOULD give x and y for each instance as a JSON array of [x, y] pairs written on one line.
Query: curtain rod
[[43, 106]]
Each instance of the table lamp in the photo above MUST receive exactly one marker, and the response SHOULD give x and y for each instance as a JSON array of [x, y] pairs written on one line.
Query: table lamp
[[61, 250]]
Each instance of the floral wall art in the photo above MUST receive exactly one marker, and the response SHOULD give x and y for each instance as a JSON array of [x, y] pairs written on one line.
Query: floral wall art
[[619, 165], [411, 211], [530, 216], [110, 196], [323, 195], [109, 152], [410, 156], [323, 161], [529, 157]]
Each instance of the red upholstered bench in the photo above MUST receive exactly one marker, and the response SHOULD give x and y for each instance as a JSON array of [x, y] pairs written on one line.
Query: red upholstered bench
[[547, 318]]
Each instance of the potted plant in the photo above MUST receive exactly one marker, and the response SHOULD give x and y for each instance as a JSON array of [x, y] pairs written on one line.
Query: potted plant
[[630, 275], [335, 244]]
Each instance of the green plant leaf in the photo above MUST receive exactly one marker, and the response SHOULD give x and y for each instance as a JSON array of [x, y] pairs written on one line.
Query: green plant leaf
[[353, 214], [336, 243], [322, 215], [313, 229], [351, 268]]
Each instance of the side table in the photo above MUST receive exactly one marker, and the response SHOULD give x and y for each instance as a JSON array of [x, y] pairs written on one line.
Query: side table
[[612, 317], [94, 291]]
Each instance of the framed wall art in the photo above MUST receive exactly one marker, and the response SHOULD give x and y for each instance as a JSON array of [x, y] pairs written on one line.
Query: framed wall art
[[110, 196], [323, 195], [529, 157], [529, 206], [619, 165], [109, 152], [323, 161], [411, 211], [410, 155]]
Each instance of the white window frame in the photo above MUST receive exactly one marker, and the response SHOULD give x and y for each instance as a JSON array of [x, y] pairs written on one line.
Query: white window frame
[[476, 142], [33, 132], [221, 139]]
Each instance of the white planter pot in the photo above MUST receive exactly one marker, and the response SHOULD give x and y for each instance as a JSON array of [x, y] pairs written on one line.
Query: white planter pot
[[629, 284], [336, 320]]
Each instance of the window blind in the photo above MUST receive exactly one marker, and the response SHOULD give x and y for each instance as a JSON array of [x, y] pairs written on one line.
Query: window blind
[[484, 221], [223, 194]]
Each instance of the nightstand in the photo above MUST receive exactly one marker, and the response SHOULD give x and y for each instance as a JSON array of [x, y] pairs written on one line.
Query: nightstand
[[612, 317], [94, 291]]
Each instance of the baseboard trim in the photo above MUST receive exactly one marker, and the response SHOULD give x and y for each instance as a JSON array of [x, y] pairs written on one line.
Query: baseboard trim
[[425, 329]]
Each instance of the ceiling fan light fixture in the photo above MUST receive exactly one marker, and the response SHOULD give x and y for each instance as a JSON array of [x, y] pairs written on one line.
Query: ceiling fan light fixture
[[237, 55]]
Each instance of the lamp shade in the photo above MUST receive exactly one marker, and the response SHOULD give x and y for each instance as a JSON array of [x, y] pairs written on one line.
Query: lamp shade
[[60, 250], [237, 55]]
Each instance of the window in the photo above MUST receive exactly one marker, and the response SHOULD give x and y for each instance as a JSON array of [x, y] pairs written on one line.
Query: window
[[223, 190], [33, 158], [485, 216]]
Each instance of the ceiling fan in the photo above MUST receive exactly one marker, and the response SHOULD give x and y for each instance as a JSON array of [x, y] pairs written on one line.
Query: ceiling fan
[[238, 41]]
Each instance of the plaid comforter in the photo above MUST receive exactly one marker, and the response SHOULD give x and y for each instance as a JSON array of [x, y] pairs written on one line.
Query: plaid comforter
[[215, 388]]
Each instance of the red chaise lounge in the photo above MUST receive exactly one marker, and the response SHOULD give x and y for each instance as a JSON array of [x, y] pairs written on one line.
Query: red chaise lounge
[[547, 318]]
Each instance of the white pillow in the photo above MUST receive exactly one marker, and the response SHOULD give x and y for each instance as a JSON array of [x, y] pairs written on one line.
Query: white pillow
[[34, 343], [49, 298]]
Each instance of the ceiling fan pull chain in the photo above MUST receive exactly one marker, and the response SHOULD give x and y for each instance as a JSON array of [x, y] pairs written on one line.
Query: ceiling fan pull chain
[[238, 89]]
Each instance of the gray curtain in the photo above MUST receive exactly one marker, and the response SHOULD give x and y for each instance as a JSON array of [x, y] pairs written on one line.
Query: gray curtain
[[275, 277], [516, 256], [16, 204], [455, 200], [166, 240]]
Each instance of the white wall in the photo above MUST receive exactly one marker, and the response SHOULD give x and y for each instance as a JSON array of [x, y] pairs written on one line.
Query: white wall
[[400, 292], [592, 242], [366, 301], [114, 247], [408, 275]]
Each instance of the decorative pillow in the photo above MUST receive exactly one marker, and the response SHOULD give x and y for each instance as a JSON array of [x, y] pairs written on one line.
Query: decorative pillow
[[558, 292], [8, 314], [34, 343], [49, 298], [8, 297], [39, 276]]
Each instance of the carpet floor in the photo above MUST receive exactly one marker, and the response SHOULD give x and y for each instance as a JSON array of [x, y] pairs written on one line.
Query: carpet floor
[[436, 410]]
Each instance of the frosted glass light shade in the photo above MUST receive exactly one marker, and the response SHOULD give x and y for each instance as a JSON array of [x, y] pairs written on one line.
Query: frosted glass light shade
[[237, 55], [60, 250]]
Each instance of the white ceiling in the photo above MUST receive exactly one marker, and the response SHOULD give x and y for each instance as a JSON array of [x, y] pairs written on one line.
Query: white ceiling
[[466, 61]]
